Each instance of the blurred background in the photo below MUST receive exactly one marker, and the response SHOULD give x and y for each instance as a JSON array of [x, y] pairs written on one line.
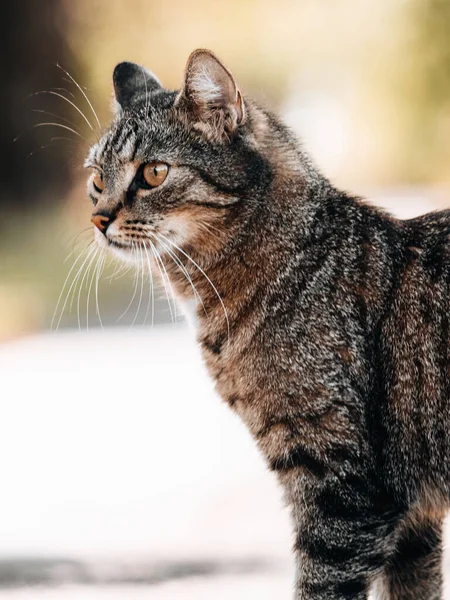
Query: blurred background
[[105, 475]]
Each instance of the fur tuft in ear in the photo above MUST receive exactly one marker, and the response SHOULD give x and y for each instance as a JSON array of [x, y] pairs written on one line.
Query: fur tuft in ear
[[211, 94], [132, 82]]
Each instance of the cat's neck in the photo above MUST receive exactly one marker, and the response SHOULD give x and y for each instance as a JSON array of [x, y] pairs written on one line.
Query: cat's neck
[[299, 208], [226, 288]]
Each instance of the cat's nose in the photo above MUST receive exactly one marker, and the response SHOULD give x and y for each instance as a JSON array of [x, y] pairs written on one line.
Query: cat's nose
[[101, 221]]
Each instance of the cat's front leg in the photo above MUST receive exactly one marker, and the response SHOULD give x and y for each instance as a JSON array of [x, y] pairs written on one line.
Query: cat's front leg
[[341, 545]]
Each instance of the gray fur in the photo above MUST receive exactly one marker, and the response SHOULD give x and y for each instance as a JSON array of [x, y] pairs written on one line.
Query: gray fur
[[325, 326]]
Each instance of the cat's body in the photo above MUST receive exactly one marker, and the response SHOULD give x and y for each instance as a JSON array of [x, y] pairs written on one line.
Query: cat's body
[[323, 321]]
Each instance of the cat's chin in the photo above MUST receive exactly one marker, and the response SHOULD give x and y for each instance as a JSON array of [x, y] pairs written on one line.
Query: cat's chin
[[122, 251]]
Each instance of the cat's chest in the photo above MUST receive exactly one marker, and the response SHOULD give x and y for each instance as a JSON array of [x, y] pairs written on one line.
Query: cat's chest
[[232, 377]]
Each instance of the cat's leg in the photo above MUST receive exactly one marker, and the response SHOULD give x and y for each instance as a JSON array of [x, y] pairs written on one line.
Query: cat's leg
[[415, 570], [335, 565], [341, 544]]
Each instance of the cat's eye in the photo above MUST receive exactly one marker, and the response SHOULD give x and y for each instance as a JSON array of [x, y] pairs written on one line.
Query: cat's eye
[[155, 173], [98, 182]]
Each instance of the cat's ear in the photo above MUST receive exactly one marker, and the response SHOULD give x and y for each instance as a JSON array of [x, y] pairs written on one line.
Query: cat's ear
[[132, 81], [211, 94]]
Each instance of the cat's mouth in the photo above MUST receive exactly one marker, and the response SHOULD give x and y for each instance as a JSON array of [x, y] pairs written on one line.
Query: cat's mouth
[[131, 246], [122, 249], [112, 242], [125, 249], [119, 245]]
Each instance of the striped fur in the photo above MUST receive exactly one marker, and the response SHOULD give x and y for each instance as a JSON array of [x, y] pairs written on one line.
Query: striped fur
[[324, 323]]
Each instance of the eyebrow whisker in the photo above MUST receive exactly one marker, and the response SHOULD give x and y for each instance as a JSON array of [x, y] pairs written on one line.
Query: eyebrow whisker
[[62, 126], [83, 92]]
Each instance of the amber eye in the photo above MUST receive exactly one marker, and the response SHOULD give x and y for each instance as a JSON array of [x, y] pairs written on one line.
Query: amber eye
[[155, 173], [98, 182]]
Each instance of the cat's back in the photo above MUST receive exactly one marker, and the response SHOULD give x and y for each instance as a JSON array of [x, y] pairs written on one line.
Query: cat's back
[[416, 341], [430, 240]]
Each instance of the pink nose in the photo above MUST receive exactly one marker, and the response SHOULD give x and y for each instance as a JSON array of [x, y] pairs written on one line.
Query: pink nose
[[101, 222]]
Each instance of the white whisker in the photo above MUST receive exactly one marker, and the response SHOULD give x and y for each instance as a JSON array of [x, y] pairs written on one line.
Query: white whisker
[[206, 277], [206, 228], [33, 152], [94, 271], [134, 292], [120, 269], [85, 277], [76, 239], [183, 269], [142, 284], [62, 127], [158, 260], [64, 286], [146, 92], [97, 277], [61, 89], [83, 92], [52, 114], [92, 249], [72, 104], [151, 296]]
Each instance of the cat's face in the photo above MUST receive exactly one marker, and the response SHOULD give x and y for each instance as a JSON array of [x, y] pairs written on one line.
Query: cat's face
[[174, 168]]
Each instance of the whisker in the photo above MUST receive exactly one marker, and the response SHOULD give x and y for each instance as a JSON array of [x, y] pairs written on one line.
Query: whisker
[[51, 114], [97, 277], [169, 284], [62, 127], [76, 281], [158, 259], [33, 152], [134, 292], [61, 138], [83, 92], [211, 226], [72, 104], [91, 250], [75, 240], [61, 89], [146, 92], [206, 228], [183, 269], [206, 277], [78, 233], [151, 295], [142, 286], [88, 297], [85, 277], [94, 271], [64, 286], [119, 267]]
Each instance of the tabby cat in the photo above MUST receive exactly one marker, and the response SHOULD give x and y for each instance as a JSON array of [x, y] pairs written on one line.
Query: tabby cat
[[322, 320]]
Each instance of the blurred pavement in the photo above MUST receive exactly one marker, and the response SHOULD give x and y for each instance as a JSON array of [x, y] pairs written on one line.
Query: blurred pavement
[[117, 457]]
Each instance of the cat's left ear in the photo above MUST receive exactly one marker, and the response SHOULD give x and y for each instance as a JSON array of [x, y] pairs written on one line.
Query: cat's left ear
[[132, 82], [211, 95]]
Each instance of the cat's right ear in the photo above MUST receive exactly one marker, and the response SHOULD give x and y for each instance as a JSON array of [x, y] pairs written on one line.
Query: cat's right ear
[[131, 81], [210, 96]]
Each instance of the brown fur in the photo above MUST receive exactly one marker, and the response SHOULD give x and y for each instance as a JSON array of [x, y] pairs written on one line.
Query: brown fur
[[323, 322]]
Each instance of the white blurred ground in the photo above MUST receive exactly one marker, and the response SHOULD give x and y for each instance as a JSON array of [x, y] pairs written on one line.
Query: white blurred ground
[[114, 447]]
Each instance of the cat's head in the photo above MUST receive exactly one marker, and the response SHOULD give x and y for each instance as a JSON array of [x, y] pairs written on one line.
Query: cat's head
[[179, 168]]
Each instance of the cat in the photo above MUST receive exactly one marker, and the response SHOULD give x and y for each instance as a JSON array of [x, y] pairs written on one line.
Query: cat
[[322, 320]]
